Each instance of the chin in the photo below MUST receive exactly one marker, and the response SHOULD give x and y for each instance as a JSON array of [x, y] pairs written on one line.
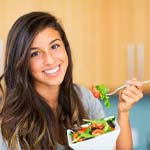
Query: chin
[[56, 83]]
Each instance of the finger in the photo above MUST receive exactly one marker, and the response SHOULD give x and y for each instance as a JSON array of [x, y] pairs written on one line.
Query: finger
[[128, 92], [134, 90], [129, 81], [137, 93], [127, 100], [131, 95], [137, 84]]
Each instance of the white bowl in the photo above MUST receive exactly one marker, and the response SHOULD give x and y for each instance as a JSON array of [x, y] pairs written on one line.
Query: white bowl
[[106, 141]]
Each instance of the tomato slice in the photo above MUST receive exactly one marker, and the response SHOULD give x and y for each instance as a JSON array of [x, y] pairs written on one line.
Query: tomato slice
[[97, 132], [83, 129], [95, 92], [75, 135]]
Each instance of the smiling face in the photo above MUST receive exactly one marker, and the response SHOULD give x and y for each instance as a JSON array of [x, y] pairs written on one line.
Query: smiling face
[[48, 60]]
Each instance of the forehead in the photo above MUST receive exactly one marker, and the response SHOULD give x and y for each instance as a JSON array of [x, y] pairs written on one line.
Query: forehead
[[46, 35]]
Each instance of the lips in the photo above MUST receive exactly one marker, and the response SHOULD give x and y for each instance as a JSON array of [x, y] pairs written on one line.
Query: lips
[[52, 71]]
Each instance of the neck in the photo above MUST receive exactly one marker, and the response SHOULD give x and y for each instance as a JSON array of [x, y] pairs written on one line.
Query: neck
[[50, 94]]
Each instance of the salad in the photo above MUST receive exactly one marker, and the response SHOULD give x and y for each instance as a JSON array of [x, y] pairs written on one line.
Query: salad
[[100, 92], [93, 129]]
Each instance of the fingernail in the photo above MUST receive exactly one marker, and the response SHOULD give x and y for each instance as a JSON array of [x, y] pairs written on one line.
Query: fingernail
[[140, 84]]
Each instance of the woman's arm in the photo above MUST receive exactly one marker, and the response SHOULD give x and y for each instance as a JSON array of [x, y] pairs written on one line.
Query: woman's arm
[[127, 98]]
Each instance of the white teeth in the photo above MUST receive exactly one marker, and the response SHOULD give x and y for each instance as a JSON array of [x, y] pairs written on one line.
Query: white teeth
[[52, 70]]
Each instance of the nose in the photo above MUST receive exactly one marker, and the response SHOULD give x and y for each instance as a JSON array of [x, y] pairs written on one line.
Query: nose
[[49, 58]]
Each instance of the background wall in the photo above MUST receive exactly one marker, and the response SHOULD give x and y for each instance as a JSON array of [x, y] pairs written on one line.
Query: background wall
[[109, 41], [109, 38]]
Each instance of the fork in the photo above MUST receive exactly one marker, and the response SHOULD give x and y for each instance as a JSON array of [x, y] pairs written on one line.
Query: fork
[[124, 86]]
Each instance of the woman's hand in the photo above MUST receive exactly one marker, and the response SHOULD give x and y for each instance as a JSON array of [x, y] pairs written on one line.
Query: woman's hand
[[127, 98], [130, 95]]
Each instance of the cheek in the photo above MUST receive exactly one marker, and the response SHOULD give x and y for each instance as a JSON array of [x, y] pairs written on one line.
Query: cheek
[[34, 67], [62, 55]]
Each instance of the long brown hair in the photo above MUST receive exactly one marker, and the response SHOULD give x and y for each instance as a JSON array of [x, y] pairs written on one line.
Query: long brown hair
[[25, 115]]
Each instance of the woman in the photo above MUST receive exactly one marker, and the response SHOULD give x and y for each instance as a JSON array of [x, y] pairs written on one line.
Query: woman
[[40, 101]]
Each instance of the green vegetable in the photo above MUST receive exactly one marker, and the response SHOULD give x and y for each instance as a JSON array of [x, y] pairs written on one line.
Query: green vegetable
[[86, 135], [103, 94], [100, 125]]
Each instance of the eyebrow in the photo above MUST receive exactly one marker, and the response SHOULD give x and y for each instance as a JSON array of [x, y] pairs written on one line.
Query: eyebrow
[[32, 48]]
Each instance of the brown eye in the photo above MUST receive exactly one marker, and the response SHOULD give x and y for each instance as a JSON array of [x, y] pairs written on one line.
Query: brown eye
[[33, 54], [55, 46]]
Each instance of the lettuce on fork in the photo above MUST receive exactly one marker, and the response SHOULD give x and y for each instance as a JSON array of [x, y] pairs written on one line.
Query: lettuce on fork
[[100, 92]]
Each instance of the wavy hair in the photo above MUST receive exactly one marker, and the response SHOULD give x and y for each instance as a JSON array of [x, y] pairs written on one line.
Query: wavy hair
[[25, 116]]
